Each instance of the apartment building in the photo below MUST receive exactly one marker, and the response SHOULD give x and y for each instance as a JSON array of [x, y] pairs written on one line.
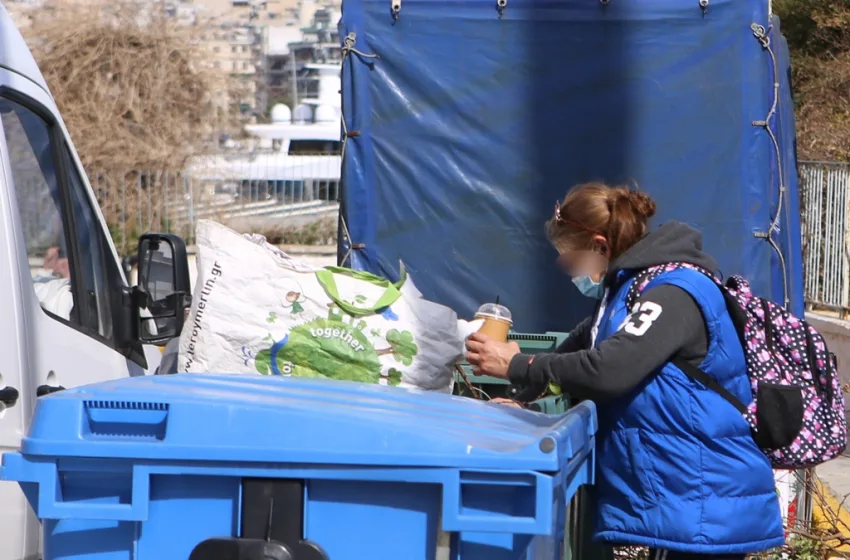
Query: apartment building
[[262, 12], [290, 49], [235, 36]]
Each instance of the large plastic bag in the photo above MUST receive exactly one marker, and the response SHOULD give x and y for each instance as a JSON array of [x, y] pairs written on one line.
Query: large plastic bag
[[257, 310]]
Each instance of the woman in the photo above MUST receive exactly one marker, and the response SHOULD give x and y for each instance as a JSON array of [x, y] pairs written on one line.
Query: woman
[[678, 469]]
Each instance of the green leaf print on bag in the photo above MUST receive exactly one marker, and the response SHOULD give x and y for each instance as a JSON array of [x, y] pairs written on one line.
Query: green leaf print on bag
[[336, 348], [401, 346], [326, 348], [394, 377], [263, 362]]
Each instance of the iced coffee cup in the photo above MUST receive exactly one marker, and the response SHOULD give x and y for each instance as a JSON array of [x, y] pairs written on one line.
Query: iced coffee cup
[[497, 321]]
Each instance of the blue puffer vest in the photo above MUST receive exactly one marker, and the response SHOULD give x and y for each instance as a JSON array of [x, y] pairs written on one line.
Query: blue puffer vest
[[678, 468]]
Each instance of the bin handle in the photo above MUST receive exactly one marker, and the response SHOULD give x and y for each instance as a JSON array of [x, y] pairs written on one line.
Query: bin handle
[[50, 504], [454, 517]]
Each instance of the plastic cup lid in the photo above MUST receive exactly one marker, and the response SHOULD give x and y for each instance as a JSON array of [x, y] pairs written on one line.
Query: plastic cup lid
[[494, 311]]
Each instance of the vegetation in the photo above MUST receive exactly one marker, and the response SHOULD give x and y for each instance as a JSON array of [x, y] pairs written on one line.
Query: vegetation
[[132, 85], [319, 232], [818, 34]]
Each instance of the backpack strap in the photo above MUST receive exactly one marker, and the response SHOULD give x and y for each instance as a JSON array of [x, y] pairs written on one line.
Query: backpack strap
[[643, 279], [700, 376]]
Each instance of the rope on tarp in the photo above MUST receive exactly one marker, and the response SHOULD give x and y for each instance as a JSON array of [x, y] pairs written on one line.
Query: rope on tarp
[[348, 45], [395, 9], [703, 5], [500, 7], [762, 35], [348, 49], [347, 236]]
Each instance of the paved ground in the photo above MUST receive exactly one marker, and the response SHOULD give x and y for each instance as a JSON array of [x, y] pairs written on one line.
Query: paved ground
[[836, 474], [833, 511]]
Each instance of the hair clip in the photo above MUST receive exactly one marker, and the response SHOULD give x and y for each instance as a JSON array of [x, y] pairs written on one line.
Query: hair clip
[[558, 217]]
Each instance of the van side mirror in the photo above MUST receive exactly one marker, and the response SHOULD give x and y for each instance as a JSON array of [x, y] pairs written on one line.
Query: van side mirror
[[164, 292]]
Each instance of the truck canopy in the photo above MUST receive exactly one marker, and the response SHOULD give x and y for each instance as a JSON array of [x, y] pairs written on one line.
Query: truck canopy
[[471, 121]]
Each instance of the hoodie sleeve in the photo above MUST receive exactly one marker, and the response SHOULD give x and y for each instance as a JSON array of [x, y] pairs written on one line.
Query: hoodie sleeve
[[578, 339], [668, 323]]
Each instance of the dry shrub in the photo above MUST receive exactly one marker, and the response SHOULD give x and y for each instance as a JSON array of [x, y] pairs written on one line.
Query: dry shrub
[[320, 232], [823, 108], [129, 82], [818, 34]]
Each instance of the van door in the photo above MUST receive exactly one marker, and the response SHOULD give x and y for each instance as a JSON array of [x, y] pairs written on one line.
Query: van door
[[60, 279], [20, 528]]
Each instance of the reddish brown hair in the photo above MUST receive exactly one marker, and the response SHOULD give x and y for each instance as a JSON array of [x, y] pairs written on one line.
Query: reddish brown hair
[[620, 214]]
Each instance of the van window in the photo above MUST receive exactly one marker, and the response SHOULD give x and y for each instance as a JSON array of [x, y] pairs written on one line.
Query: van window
[[54, 221]]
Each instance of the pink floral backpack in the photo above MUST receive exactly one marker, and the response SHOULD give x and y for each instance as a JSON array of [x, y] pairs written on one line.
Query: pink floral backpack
[[797, 415]]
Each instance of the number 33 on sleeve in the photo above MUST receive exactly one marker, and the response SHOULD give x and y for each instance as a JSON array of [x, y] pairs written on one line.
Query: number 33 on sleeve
[[641, 319]]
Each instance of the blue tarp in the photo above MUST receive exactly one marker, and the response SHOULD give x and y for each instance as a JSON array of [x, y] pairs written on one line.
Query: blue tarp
[[469, 126]]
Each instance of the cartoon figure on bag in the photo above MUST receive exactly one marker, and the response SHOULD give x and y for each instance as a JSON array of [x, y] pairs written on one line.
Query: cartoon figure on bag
[[291, 297], [295, 299]]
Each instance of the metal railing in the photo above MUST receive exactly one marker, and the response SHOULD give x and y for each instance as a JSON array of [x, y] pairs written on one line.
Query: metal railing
[[825, 202], [259, 190]]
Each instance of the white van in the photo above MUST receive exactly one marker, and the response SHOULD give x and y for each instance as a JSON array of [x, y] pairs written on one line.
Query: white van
[[67, 315]]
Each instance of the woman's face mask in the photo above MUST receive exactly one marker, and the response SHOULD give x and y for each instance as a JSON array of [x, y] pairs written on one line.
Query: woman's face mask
[[588, 287], [587, 269]]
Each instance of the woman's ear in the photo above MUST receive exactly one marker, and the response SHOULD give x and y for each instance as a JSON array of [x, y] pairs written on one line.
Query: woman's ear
[[601, 244]]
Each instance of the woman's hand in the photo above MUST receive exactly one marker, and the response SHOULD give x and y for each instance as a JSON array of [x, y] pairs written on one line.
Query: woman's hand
[[488, 356]]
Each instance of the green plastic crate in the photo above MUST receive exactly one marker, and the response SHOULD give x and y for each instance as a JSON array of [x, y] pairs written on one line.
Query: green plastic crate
[[529, 343]]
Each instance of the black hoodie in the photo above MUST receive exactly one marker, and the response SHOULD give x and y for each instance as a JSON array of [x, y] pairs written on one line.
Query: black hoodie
[[621, 362]]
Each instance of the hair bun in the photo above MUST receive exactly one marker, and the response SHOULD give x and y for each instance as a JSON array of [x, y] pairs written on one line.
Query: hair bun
[[639, 203], [643, 205]]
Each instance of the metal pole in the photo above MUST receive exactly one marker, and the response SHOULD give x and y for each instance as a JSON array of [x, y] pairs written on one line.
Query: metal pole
[[844, 251], [294, 66]]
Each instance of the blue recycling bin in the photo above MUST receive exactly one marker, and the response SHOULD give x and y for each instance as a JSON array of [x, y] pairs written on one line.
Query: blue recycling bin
[[215, 467]]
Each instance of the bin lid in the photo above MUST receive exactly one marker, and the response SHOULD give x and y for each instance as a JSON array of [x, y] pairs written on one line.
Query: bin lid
[[253, 418]]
